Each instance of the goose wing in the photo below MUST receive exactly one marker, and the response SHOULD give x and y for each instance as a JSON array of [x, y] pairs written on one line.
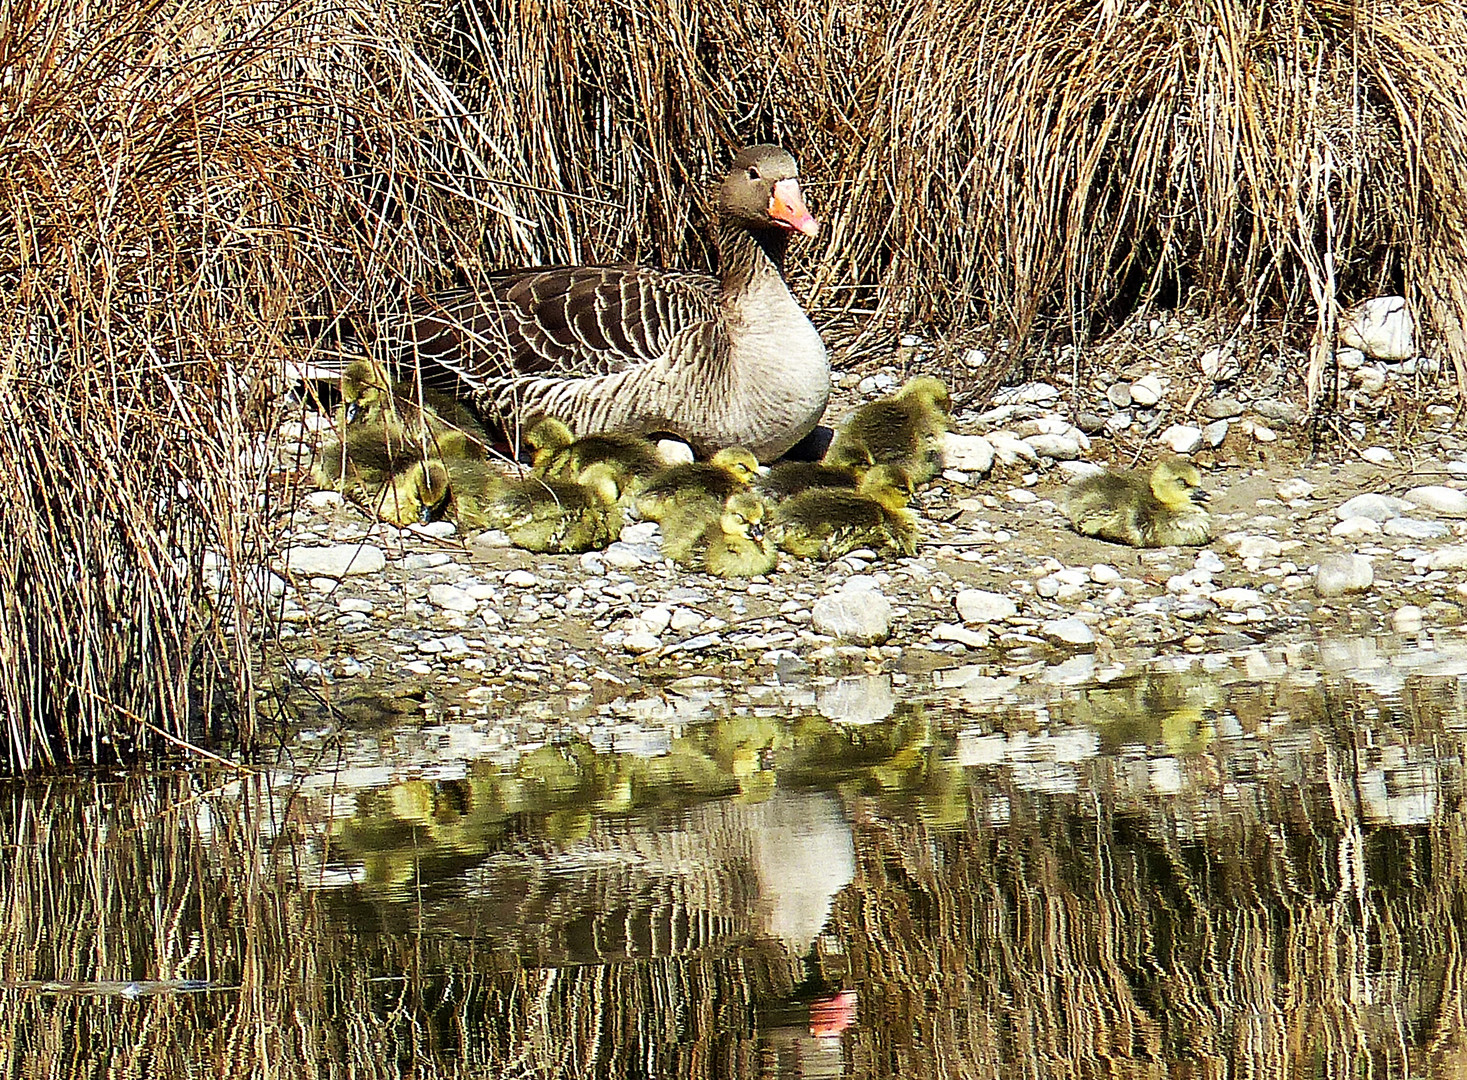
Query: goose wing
[[571, 321]]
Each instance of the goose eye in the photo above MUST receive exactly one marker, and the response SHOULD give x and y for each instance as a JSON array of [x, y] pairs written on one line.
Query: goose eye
[[753, 173]]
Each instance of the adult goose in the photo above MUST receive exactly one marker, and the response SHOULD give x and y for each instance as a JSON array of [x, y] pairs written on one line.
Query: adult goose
[[717, 361]]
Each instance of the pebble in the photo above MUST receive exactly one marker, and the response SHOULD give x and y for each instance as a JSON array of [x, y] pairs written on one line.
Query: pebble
[[1447, 501], [1214, 433], [674, 451], [1415, 528], [1408, 619], [1380, 327], [1071, 631], [355, 605], [1374, 506], [1119, 395], [521, 579], [1447, 558], [880, 383], [860, 614], [1294, 488], [1054, 446], [973, 639], [1147, 391], [424, 560], [323, 500], [1009, 449], [452, 598], [639, 640], [982, 606], [1182, 438], [970, 453], [1222, 408], [1104, 574], [1022, 495], [1219, 363], [1353, 528], [1337, 575], [1247, 546], [1034, 393], [337, 560], [1377, 455], [1237, 599], [624, 556]]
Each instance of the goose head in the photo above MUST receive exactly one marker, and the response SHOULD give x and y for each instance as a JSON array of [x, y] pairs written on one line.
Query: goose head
[[761, 192], [1177, 484], [548, 433], [417, 494]]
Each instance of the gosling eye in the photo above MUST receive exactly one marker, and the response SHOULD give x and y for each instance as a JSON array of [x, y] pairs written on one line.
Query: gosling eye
[[753, 173]]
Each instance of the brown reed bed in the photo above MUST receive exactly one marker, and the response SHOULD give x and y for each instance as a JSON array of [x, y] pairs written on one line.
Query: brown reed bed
[[190, 193]]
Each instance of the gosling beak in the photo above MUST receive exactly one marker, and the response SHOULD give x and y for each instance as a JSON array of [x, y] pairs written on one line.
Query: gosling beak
[[787, 207], [1198, 495], [756, 531], [426, 514], [352, 411]]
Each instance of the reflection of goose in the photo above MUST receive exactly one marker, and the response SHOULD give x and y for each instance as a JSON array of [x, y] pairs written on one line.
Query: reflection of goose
[[1155, 510], [904, 429], [723, 361], [1175, 711]]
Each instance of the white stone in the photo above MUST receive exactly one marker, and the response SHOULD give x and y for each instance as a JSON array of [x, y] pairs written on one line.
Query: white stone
[[1034, 393], [982, 606], [1009, 449], [883, 382], [973, 639], [1377, 455], [1247, 546], [1237, 599], [1209, 562], [1295, 487], [1371, 379], [1073, 632], [1104, 574], [521, 579], [1182, 438], [437, 529], [685, 619], [1119, 395], [1219, 363], [1023, 496], [975, 358], [1353, 528], [1260, 432], [492, 538], [1055, 447], [674, 451], [355, 605], [859, 615], [1447, 558], [639, 640], [1415, 528], [1214, 433], [1147, 390], [1337, 575], [970, 453], [1447, 501], [1408, 619], [1373, 505], [336, 560], [624, 556], [1349, 359], [323, 500], [656, 619], [641, 532], [857, 699], [1381, 327], [452, 598]]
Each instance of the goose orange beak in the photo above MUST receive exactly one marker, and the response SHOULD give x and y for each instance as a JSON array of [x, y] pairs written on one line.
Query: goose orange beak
[[787, 207]]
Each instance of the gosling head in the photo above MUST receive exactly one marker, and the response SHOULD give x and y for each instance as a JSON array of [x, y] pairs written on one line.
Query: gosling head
[[1177, 483], [743, 515], [887, 484], [364, 385], [418, 493], [548, 433], [929, 391], [738, 460], [604, 480]]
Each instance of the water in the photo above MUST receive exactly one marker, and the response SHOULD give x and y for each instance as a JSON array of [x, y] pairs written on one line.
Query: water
[[1237, 864]]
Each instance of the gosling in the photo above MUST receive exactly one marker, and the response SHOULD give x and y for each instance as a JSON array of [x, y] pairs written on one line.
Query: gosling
[[904, 429], [830, 522], [727, 473], [789, 478], [369, 396], [540, 514], [727, 541], [1158, 510], [558, 453]]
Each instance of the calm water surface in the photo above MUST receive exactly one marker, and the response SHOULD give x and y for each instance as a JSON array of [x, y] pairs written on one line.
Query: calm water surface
[[1252, 864]]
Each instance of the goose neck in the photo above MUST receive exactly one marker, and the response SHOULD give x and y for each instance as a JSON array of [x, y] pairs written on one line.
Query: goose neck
[[746, 255]]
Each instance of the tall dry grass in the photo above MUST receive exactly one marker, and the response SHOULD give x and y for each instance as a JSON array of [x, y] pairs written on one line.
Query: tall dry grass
[[189, 194]]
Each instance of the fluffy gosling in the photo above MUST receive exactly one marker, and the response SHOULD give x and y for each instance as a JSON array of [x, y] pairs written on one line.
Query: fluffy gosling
[[369, 396], [829, 522], [726, 473], [789, 478], [727, 541], [904, 429], [1155, 510], [558, 453], [540, 514]]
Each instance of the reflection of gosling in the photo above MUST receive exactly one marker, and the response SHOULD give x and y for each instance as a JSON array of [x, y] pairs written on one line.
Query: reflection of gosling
[[727, 541], [829, 522], [540, 514], [789, 478], [1144, 511], [558, 453], [904, 430], [726, 473]]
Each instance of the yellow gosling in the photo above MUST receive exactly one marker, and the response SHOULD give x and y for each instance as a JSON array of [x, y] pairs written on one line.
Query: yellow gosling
[[904, 429], [369, 396], [726, 473], [558, 453], [543, 514], [829, 522], [417, 495], [727, 541], [1158, 509], [789, 478], [369, 456]]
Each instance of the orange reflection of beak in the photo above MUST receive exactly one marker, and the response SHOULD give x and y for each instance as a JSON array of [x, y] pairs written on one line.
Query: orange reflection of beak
[[787, 206]]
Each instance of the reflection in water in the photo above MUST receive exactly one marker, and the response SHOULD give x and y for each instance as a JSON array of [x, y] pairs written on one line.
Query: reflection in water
[[1249, 864]]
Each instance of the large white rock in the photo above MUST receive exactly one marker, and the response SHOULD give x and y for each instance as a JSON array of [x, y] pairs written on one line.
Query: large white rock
[[1447, 558], [1071, 632], [1182, 438], [860, 615], [336, 560], [1009, 449], [1054, 446], [1446, 501], [1337, 575], [982, 606], [1381, 327], [1374, 506], [452, 598], [970, 453]]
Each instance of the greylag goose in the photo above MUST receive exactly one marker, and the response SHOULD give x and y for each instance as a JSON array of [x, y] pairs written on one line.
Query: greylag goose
[[717, 361], [1145, 511]]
